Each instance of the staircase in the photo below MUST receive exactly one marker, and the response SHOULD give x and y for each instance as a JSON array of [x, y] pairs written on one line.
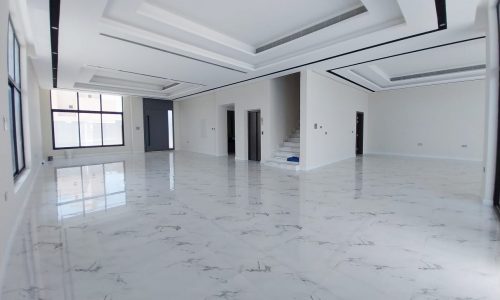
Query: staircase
[[291, 147]]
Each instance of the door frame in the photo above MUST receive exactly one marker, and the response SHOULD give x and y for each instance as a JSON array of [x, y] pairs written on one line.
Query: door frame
[[259, 133], [170, 107], [496, 189], [362, 114], [234, 130]]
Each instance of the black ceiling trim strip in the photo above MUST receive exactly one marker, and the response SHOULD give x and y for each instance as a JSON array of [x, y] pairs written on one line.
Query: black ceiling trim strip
[[442, 25], [332, 71], [441, 14], [170, 52], [55, 13], [353, 82], [410, 52], [142, 74]]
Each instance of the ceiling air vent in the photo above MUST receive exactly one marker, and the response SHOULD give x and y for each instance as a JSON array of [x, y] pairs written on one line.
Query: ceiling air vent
[[439, 72], [170, 86], [332, 21]]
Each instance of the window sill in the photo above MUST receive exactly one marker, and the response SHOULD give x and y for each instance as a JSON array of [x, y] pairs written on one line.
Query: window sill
[[20, 179]]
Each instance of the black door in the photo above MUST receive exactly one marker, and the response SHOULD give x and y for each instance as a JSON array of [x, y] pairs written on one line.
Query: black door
[[254, 135], [158, 125], [231, 142], [360, 120]]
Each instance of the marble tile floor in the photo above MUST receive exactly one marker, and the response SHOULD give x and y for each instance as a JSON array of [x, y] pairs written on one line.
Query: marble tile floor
[[187, 226]]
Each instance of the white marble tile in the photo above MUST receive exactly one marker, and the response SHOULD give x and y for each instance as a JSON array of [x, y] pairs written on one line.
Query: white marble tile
[[188, 226]]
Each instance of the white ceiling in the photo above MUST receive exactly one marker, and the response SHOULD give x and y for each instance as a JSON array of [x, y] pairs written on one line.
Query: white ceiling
[[171, 48], [250, 21], [449, 61]]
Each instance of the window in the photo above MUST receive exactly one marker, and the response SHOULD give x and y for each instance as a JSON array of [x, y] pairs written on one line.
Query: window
[[15, 102], [82, 119]]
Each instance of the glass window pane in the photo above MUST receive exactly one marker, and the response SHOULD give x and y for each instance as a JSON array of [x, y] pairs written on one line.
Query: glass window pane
[[65, 129], [10, 51], [93, 181], [69, 184], [90, 129], [116, 200], [17, 62], [71, 209], [170, 129], [64, 100], [112, 103], [19, 130], [90, 101], [95, 204], [11, 129], [112, 129], [115, 177]]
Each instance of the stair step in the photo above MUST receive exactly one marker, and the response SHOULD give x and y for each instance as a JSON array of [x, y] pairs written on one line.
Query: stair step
[[284, 165], [286, 154], [293, 139], [279, 158], [289, 149], [291, 144]]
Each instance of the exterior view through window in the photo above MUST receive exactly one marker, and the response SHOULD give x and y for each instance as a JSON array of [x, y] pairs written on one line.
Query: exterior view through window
[[85, 119]]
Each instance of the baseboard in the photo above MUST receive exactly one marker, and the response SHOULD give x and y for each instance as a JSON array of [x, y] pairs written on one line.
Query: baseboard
[[422, 156], [86, 155], [28, 184]]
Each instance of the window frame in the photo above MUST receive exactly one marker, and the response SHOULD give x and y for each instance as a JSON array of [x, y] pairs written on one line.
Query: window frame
[[77, 111], [13, 87]]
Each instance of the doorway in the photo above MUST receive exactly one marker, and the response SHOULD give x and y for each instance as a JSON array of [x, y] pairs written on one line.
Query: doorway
[[360, 121], [158, 125], [231, 139], [254, 133]]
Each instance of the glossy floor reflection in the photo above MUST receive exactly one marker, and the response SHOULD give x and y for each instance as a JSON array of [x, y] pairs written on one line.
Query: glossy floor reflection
[[188, 226]]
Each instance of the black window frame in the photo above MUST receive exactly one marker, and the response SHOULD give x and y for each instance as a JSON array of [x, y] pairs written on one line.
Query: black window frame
[[78, 112], [13, 87]]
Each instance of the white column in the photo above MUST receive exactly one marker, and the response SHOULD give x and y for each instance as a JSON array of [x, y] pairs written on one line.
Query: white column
[[492, 85]]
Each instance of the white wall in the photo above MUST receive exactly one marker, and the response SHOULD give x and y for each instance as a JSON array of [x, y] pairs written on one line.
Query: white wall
[[13, 194], [201, 121], [194, 124], [254, 96], [332, 106], [133, 129], [447, 120]]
